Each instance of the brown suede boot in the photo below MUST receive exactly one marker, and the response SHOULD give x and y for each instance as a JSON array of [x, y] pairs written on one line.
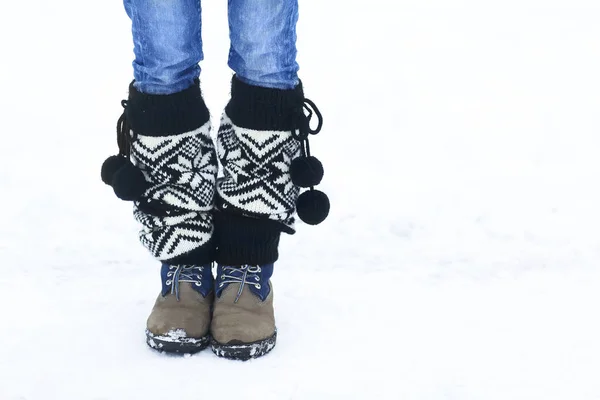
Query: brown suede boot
[[243, 324], [180, 319], [263, 147]]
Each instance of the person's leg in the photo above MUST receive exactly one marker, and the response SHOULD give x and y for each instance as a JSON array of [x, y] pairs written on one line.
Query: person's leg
[[167, 165], [263, 42], [167, 44], [263, 131]]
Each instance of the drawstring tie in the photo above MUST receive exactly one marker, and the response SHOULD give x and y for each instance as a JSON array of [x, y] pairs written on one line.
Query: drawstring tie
[[125, 136], [307, 171], [301, 124], [127, 180]]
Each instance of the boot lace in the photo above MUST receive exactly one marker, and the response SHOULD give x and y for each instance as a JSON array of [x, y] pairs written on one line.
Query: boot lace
[[183, 273], [244, 275]]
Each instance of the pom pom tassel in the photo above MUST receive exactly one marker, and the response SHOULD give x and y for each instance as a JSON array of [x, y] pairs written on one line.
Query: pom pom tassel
[[313, 207], [110, 168], [127, 181], [306, 171]]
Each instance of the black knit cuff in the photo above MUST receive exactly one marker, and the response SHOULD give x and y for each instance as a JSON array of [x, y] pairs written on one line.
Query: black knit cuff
[[261, 108], [165, 115], [246, 241]]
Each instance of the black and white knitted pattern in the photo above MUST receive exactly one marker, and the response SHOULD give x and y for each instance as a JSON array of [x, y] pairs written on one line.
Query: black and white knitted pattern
[[176, 213], [256, 164]]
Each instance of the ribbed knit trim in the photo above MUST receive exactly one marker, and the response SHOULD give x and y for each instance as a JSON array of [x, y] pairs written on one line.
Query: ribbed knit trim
[[261, 108], [246, 241], [165, 115]]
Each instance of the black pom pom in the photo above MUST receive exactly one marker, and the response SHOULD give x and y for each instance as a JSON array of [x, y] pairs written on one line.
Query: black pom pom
[[306, 171], [110, 167], [129, 183], [313, 207]]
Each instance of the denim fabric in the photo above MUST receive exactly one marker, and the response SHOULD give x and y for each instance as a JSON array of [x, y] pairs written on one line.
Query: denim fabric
[[263, 42], [168, 44]]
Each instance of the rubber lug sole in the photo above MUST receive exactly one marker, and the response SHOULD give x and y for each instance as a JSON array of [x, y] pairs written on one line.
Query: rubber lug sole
[[175, 342], [244, 351]]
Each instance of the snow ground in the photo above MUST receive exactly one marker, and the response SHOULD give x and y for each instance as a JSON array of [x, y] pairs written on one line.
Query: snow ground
[[460, 260]]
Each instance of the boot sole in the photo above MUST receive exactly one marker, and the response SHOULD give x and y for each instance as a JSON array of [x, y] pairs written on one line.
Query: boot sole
[[178, 345], [244, 351]]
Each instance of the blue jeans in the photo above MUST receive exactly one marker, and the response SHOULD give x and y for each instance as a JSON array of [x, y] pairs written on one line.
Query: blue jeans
[[168, 43]]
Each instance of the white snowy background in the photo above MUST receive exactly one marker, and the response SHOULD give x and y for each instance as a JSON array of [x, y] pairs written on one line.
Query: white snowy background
[[460, 260]]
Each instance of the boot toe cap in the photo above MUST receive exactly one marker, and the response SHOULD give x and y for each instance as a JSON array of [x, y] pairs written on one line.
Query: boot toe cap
[[193, 325], [236, 332]]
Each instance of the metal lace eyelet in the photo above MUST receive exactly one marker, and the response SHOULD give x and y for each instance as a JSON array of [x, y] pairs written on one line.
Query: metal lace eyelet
[[169, 282], [221, 285], [259, 269], [169, 273], [257, 279], [198, 284], [258, 286]]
